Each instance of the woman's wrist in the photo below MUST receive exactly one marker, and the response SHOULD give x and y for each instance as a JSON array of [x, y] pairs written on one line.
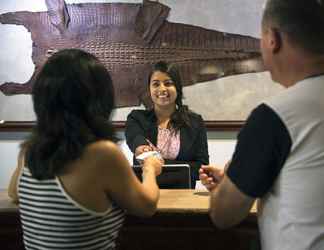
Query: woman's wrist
[[148, 171]]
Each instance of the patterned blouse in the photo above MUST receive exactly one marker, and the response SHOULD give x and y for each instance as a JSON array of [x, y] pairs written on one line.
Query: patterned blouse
[[168, 143]]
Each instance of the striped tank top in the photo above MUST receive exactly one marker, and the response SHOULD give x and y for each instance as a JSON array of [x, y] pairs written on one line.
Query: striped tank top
[[51, 219]]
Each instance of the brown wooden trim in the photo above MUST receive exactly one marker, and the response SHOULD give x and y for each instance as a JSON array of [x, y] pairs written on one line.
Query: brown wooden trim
[[224, 125], [26, 126], [17, 126]]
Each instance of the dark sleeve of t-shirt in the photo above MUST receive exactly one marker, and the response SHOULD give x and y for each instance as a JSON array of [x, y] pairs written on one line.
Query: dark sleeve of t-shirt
[[262, 148]]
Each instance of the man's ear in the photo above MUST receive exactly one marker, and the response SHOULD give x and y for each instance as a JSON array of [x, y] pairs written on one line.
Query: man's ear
[[274, 40]]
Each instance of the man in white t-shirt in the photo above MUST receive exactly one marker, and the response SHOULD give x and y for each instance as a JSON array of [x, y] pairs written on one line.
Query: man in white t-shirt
[[279, 157]]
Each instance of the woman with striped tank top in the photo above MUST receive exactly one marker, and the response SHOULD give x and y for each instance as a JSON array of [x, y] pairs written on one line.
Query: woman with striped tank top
[[72, 182]]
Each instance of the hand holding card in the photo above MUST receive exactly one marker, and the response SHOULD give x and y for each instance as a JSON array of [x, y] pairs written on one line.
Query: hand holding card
[[144, 155]]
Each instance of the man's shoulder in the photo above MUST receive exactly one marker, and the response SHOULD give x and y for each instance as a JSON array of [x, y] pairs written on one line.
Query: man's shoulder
[[281, 99], [300, 94], [263, 116]]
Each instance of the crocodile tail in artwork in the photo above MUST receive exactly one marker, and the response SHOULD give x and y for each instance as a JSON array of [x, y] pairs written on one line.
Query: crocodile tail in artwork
[[204, 55]]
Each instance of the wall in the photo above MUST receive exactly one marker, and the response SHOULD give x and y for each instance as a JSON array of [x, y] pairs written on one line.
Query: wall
[[233, 97], [221, 146]]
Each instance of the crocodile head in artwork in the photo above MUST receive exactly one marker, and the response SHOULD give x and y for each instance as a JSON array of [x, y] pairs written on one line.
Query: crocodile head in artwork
[[129, 38]]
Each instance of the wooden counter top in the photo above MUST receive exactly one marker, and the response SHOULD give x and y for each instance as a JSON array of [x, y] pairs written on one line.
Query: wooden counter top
[[181, 220], [171, 201], [185, 200]]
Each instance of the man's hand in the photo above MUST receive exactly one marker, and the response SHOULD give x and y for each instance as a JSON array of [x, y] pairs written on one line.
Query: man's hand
[[210, 176]]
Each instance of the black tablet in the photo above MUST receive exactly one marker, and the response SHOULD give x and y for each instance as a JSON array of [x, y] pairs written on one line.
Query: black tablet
[[173, 176]]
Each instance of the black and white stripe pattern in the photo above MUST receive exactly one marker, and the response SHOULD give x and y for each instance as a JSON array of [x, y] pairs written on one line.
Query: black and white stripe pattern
[[51, 219]]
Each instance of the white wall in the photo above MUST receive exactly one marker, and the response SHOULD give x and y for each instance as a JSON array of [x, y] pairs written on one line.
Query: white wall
[[8, 154], [221, 146]]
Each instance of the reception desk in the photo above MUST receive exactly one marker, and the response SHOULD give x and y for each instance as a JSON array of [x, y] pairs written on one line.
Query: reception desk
[[181, 222]]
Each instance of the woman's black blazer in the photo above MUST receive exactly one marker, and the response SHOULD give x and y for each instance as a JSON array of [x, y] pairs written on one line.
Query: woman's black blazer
[[142, 124]]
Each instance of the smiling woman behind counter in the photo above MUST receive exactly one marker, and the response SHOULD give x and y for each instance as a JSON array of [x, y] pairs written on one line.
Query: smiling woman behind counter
[[169, 126]]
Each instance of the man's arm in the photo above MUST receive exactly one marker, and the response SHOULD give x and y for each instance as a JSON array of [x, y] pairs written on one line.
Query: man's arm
[[262, 148], [224, 200]]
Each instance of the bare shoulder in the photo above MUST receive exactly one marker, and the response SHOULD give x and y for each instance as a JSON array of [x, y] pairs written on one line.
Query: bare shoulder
[[103, 150], [106, 158], [104, 154]]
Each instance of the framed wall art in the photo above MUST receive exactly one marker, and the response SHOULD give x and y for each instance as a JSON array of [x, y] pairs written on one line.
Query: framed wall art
[[215, 44]]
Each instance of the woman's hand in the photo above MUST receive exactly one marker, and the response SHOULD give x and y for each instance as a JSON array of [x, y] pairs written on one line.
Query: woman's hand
[[141, 149], [153, 164]]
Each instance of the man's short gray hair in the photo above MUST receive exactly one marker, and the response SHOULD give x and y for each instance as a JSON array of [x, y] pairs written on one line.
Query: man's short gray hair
[[301, 20]]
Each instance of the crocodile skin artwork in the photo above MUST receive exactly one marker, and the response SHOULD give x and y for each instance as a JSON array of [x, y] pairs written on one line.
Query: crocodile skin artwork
[[129, 38]]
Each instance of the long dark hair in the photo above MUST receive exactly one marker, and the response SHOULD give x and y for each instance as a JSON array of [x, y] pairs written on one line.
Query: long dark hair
[[73, 98], [180, 117]]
